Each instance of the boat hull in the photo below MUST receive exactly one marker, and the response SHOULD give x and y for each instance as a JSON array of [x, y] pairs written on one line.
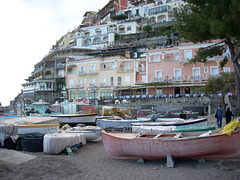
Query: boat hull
[[162, 129], [38, 128], [105, 123], [74, 119], [195, 122], [89, 135], [129, 146]]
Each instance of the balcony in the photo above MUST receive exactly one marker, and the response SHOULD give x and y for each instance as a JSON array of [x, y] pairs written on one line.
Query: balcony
[[44, 89], [92, 84], [103, 84], [157, 79], [74, 86], [80, 73], [92, 72], [60, 66], [122, 70], [178, 78]]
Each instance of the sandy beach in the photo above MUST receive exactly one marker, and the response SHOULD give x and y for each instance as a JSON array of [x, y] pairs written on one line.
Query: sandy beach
[[91, 162]]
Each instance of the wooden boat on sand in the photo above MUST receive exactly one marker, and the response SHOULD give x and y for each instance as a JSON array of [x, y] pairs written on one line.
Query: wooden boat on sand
[[38, 128], [91, 133], [165, 129], [83, 114], [121, 145], [191, 122], [104, 123]]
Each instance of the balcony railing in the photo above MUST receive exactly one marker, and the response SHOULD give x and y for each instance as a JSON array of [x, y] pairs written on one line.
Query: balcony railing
[[74, 86], [92, 72], [92, 84], [81, 73], [119, 70], [103, 84]]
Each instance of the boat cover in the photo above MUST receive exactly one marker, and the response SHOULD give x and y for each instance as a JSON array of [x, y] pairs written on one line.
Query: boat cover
[[7, 130], [57, 142]]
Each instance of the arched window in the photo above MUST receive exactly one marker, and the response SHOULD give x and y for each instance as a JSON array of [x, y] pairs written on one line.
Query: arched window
[[48, 73], [119, 82], [98, 32], [97, 41], [121, 29]]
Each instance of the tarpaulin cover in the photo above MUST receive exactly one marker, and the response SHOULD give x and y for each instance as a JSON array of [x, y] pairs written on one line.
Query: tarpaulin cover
[[230, 127], [57, 142], [7, 130]]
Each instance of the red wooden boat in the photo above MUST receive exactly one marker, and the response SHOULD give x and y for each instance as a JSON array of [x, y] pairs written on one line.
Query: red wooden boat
[[178, 145]]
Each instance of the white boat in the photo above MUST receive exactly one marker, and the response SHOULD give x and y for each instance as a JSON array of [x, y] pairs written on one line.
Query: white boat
[[91, 133], [78, 113], [105, 123], [169, 119], [38, 128], [166, 129], [191, 122]]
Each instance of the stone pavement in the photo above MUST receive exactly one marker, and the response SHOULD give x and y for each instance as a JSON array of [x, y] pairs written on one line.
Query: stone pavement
[[15, 157]]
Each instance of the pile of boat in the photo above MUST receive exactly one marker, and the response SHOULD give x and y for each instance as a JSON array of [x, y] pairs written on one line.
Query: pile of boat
[[45, 134], [123, 138]]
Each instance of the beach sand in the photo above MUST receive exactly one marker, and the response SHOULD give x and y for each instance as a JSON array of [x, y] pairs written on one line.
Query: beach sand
[[91, 162]]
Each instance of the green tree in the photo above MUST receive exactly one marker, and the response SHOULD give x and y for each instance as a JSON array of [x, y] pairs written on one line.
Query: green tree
[[147, 28], [205, 20], [221, 84]]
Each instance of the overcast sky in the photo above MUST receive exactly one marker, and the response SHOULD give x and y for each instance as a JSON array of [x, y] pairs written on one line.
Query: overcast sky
[[28, 30]]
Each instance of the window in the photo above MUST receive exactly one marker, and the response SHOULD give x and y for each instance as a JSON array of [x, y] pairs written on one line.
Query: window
[[214, 71], [127, 79], [87, 34], [156, 58], [158, 91], [106, 94], [85, 80], [71, 82], [187, 54], [158, 75], [129, 28], [73, 94], [98, 32], [104, 66], [143, 79], [80, 82], [137, 12], [93, 68], [82, 69], [111, 81], [113, 66], [196, 73], [205, 69], [74, 69], [93, 81], [126, 67], [104, 81], [82, 94], [226, 69], [121, 29], [177, 57], [177, 74], [119, 82]]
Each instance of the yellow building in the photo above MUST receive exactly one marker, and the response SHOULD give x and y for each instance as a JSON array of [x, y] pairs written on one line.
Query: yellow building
[[101, 77]]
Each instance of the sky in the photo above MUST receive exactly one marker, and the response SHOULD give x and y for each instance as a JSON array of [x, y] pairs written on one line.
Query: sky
[[28, 30]]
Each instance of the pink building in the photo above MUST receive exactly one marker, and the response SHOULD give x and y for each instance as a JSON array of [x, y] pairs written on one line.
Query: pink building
[[169, 73]]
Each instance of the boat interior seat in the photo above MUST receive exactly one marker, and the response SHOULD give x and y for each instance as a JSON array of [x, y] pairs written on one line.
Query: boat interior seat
[[157, 136], [178, 135]]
